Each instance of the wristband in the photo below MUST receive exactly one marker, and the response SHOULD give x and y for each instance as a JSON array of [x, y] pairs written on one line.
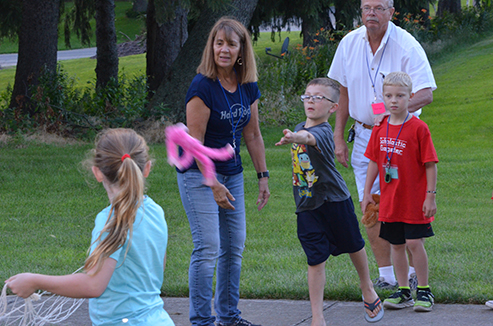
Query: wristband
[[263, 174], [431, 191]]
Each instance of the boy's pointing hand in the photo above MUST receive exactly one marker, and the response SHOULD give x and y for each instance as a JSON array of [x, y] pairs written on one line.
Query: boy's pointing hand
[[287, 139]]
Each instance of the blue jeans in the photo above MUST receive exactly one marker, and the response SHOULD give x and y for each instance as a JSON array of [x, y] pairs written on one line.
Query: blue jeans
[[218, 237]]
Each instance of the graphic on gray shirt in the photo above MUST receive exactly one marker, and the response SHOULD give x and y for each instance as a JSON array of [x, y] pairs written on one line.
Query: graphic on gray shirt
[[315, 177]]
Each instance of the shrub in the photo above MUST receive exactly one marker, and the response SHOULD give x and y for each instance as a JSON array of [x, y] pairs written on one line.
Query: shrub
[[284, 80], [60, 107], [467, 26], [416, 25]]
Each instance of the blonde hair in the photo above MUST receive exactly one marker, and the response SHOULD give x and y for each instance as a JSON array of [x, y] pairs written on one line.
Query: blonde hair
[[127, 175], [399, 78], [332, 85], [247, 72]]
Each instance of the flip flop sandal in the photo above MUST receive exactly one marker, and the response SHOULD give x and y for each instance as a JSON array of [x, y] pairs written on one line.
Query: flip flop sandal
[[371, 307]]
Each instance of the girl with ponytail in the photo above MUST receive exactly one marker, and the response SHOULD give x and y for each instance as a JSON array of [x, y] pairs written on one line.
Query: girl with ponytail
[[124, 271]]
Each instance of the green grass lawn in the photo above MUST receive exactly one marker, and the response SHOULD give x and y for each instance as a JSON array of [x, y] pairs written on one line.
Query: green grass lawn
[[460, 122], [48, 208]]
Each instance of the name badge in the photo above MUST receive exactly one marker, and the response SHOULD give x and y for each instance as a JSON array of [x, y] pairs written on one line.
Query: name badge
[[378, 108], [391, 173]]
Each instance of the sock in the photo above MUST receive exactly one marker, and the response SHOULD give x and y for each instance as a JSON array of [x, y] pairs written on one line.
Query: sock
[[411, 271], [406, 290], [387, 273], [424, 288]]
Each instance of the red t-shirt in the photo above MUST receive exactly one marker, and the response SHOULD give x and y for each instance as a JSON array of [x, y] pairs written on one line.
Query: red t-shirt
[[402, 199]]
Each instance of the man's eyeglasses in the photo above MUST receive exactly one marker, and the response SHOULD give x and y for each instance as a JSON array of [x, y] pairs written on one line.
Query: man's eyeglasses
[[314, 98], [376, 10]]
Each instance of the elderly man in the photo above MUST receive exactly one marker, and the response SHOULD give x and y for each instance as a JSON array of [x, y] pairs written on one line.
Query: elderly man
[[360, 64]]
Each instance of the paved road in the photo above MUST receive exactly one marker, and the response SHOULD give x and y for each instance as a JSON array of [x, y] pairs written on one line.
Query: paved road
[[7, 60]]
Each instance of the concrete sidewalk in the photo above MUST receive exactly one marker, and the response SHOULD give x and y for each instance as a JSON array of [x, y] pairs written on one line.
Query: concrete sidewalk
[[297, 313]]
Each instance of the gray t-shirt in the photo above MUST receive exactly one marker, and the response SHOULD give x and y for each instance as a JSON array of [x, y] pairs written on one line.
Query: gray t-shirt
[[315, 177]]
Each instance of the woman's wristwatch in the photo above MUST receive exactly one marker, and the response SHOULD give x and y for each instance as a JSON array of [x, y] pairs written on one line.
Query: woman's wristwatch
[[263, 174]]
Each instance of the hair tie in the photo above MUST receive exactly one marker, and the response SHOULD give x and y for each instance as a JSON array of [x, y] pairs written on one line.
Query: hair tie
[[125, 156]]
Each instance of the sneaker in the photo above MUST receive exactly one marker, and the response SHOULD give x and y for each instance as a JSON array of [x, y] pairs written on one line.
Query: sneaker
[[413, 282], [399, 299], [239, 322], [489, 304], [424, 301], [383, 285]]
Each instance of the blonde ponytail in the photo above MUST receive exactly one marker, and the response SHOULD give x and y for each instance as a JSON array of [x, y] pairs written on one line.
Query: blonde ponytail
[[125, 172]]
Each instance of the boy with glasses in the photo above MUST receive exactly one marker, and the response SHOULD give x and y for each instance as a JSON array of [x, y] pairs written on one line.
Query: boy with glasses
[[327, 224]]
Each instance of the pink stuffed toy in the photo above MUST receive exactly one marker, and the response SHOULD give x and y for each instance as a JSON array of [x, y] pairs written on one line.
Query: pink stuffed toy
[[177, 135]]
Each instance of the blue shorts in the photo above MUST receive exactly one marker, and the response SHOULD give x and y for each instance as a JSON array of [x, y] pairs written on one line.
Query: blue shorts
[[331, 229], [396, 233]]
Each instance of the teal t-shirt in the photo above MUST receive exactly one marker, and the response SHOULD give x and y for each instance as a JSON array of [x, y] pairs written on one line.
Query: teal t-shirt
[[132, 296]]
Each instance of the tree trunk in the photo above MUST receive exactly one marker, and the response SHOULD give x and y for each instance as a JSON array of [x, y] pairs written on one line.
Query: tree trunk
[[451, 6], [172, 91], [107, 53], [311, 25], [38, 40], [164, 42], [140, 5], [307, 30]]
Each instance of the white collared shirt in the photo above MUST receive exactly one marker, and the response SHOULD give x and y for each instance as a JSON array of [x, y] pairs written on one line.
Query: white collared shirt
[[353, 57]]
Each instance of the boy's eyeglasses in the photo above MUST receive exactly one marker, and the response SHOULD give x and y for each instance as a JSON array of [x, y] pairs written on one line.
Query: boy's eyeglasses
[[377, 10], [314, 98]]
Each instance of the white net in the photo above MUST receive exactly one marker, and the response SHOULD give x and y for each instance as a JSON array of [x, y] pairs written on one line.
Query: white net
[[39, 309]]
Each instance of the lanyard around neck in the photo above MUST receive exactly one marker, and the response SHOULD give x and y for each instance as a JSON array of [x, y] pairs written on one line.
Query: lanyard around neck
[[374, 79], [233, 125], [395, 142]]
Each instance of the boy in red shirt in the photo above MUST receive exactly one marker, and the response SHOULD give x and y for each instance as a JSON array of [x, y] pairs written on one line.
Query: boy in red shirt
[[402, 153]]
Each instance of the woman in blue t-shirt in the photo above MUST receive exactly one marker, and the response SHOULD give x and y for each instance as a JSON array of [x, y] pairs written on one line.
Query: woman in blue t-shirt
[[222, 107]]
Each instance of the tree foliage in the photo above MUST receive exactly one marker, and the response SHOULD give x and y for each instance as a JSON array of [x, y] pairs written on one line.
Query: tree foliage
[[10, 18], [78, 20], [346, 12]]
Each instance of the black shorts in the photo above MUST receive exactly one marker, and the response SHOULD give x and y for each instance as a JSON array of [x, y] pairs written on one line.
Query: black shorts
[[331, 229], [397, 233]]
